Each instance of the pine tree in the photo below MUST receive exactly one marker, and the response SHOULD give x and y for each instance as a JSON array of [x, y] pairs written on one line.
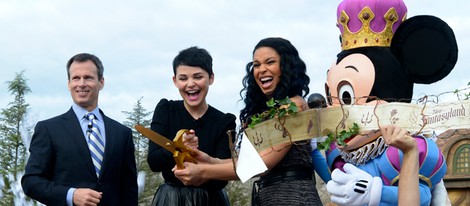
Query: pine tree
[[12, 149], [138, 116]]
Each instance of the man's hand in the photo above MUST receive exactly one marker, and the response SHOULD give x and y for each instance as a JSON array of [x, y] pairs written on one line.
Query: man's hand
[[86, 197]]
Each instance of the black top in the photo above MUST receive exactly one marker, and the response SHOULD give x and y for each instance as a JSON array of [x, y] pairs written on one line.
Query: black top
[[298, 157], [211, 129]]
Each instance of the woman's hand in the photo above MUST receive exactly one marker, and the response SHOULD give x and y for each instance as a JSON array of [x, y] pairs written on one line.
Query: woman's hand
[[190, 140], [201, 156], [408, 188], [300, 103], [190, 175], [399, 138]]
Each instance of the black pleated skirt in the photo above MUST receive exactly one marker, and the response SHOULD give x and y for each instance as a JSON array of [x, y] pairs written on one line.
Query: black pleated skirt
[[174, 195]]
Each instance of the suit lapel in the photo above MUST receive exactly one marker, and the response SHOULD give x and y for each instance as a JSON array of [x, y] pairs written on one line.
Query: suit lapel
[[72, 126]]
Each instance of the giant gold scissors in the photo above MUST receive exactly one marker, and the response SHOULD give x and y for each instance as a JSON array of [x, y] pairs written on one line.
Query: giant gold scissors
[[180, 152]]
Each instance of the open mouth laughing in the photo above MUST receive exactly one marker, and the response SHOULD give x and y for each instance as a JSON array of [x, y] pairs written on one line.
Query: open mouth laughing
[[266, 82], [193, 94]]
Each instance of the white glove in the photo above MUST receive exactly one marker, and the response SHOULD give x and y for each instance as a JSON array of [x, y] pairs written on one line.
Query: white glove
[[354, 187]]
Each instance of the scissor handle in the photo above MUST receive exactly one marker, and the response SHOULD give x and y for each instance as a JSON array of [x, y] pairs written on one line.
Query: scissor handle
[[181, 157], [182, 153]]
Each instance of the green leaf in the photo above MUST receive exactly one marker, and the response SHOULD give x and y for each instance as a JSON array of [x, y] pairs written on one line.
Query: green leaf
[[340, 139], [274, 109], [293, 108], [271, 103]]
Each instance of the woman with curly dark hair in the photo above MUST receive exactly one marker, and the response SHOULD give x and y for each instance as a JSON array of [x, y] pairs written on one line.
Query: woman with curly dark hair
[[290, 80], [277, 72]]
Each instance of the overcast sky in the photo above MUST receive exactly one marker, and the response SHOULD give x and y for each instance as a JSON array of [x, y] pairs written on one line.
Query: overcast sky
[[138, 40]]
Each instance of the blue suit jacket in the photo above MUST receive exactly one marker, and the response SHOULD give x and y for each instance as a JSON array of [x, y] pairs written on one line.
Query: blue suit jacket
[[60, 159]]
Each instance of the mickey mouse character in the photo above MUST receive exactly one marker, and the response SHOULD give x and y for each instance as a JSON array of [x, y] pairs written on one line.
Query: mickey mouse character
[[383, 55]]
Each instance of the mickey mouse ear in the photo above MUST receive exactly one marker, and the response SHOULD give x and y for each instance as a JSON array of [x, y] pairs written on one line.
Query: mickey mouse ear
[[426, 47]]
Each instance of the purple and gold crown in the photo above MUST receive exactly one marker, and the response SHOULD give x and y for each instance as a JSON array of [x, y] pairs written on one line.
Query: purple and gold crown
[[367, 23]]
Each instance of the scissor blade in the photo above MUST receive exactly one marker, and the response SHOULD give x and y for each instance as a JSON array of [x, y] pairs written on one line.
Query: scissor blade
[[157, 138]]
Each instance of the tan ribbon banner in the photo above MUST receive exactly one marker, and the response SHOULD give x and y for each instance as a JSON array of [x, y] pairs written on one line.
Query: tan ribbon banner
[[314, 123]]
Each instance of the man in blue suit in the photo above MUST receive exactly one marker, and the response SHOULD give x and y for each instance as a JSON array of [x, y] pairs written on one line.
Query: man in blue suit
[[60, 169]]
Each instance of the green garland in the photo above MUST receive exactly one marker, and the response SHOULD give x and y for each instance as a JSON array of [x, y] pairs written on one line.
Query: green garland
[[284, 107], [340, 139], [279, 108]]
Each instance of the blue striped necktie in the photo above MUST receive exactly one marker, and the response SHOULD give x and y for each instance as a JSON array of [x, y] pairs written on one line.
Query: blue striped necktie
[[95, 143]]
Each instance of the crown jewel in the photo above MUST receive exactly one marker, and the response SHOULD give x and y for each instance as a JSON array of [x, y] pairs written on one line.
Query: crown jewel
[[360, 26]]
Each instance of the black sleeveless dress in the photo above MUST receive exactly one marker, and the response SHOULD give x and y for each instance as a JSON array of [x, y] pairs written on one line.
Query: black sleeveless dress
[[290, 182]]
